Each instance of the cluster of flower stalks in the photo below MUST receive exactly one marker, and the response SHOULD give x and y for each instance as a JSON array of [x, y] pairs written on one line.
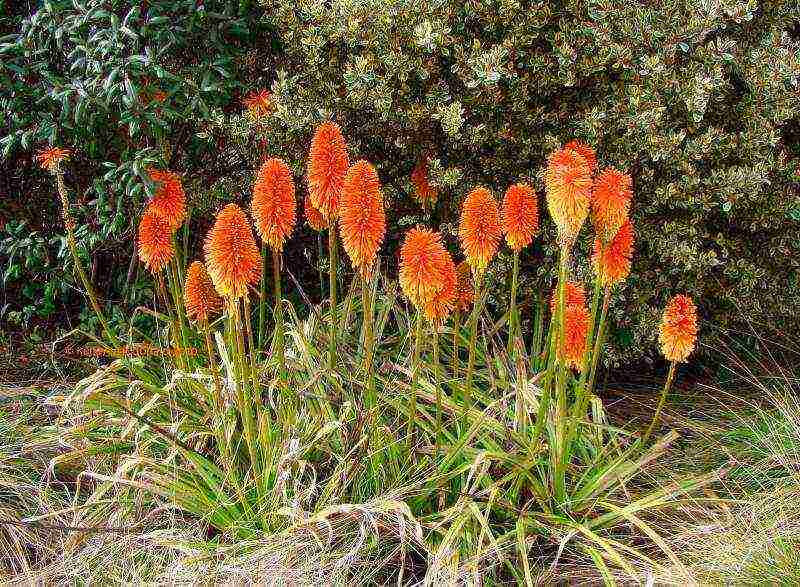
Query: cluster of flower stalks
[[245, 345]]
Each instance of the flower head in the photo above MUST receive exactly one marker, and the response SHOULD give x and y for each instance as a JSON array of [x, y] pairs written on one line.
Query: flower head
[[569, 186], [49, 158], [612, 261], [258, 104], [273, 205], [576, 326], [438, 308], [232, 257], [327, 166], [574, 295], [520, 215], [586, 151], [362, 219], [678, 330], [155, 240], [425, 192], [480, 229], [611, 201], [169, 199], [313, 216], [422, 265], [465, 289], [201, 299]]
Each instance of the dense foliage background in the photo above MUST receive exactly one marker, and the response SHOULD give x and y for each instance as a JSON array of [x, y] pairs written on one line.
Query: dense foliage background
[[699, 100]]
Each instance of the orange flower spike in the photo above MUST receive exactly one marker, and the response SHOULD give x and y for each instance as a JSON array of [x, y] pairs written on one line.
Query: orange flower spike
[[480, 229], [201, 299], [611, 202], [569, 187], [169, 199], [258, 104], [576, 327], [465, 289], [273, 206], [313, 216], [678, 329], [49, 158], [419, 177], [586, 151], [612, 262], [520, 216], [439, 307], [233, 260], [327, 166], [362, 219], [155, 240], [422, 265], [574, 295]]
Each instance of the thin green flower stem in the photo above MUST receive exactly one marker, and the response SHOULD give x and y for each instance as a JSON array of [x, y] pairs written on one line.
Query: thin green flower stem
[[456, 346], [369, 343], [333, 257], [598, 345], [179, 309], [473, 335], [162, 289], [262, 301], [252, 352], [667, 385], [412, 417], [560, 455], [512, 310], [280, 342], [438, 385], [217, 403], [319, 264], [69, 225]]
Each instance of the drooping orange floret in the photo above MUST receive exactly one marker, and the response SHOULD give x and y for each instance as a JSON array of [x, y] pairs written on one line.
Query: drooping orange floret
[[480, 228], [313, 216], [273, 206], [155, 240], [569, 186], [424, 191], [678, 330], [201, 299], [258, 104], [50, 157], [576, 326], [438, 308], [586, 151], [422, 265], [232, 257], [362, 219], [520, 215], [327, 166], [574, 295], [612, 261], [611, 201], [169, 199], [465, 289]]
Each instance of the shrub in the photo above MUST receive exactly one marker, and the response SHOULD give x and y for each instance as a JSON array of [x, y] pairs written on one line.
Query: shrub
[[700, 103]]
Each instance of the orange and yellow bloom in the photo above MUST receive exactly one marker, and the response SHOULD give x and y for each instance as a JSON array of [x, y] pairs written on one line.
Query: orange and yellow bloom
[[465, 289], [576, 327], [273, 206], [422, 265], [574, 295], [612, 261], [480, 229], [586, 152], [233, 260], [569, 187], [49, 158], [258, 104], [424, 191], [362, 218], [327, 166], [169, 199], [439, 307], [611, 202], [678, 329], [200, 298], [313, 216], [520, 216], [155, 241]]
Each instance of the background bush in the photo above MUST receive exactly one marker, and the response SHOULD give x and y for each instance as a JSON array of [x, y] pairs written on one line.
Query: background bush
[[700, 100]]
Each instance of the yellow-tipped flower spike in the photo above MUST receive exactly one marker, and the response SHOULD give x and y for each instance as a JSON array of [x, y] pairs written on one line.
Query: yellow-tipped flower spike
[[480, 229], [569, 187], [232, 257]]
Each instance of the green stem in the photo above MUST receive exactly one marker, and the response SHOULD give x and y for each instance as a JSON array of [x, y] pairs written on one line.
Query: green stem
[[262, 300], [512, 310], [279, 326], [456, 346], [473, 335], [412, 416], [560, 455], [438, 387], [333, 258], [667, 385], [369, 342], [252, 351], [598, 343]]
